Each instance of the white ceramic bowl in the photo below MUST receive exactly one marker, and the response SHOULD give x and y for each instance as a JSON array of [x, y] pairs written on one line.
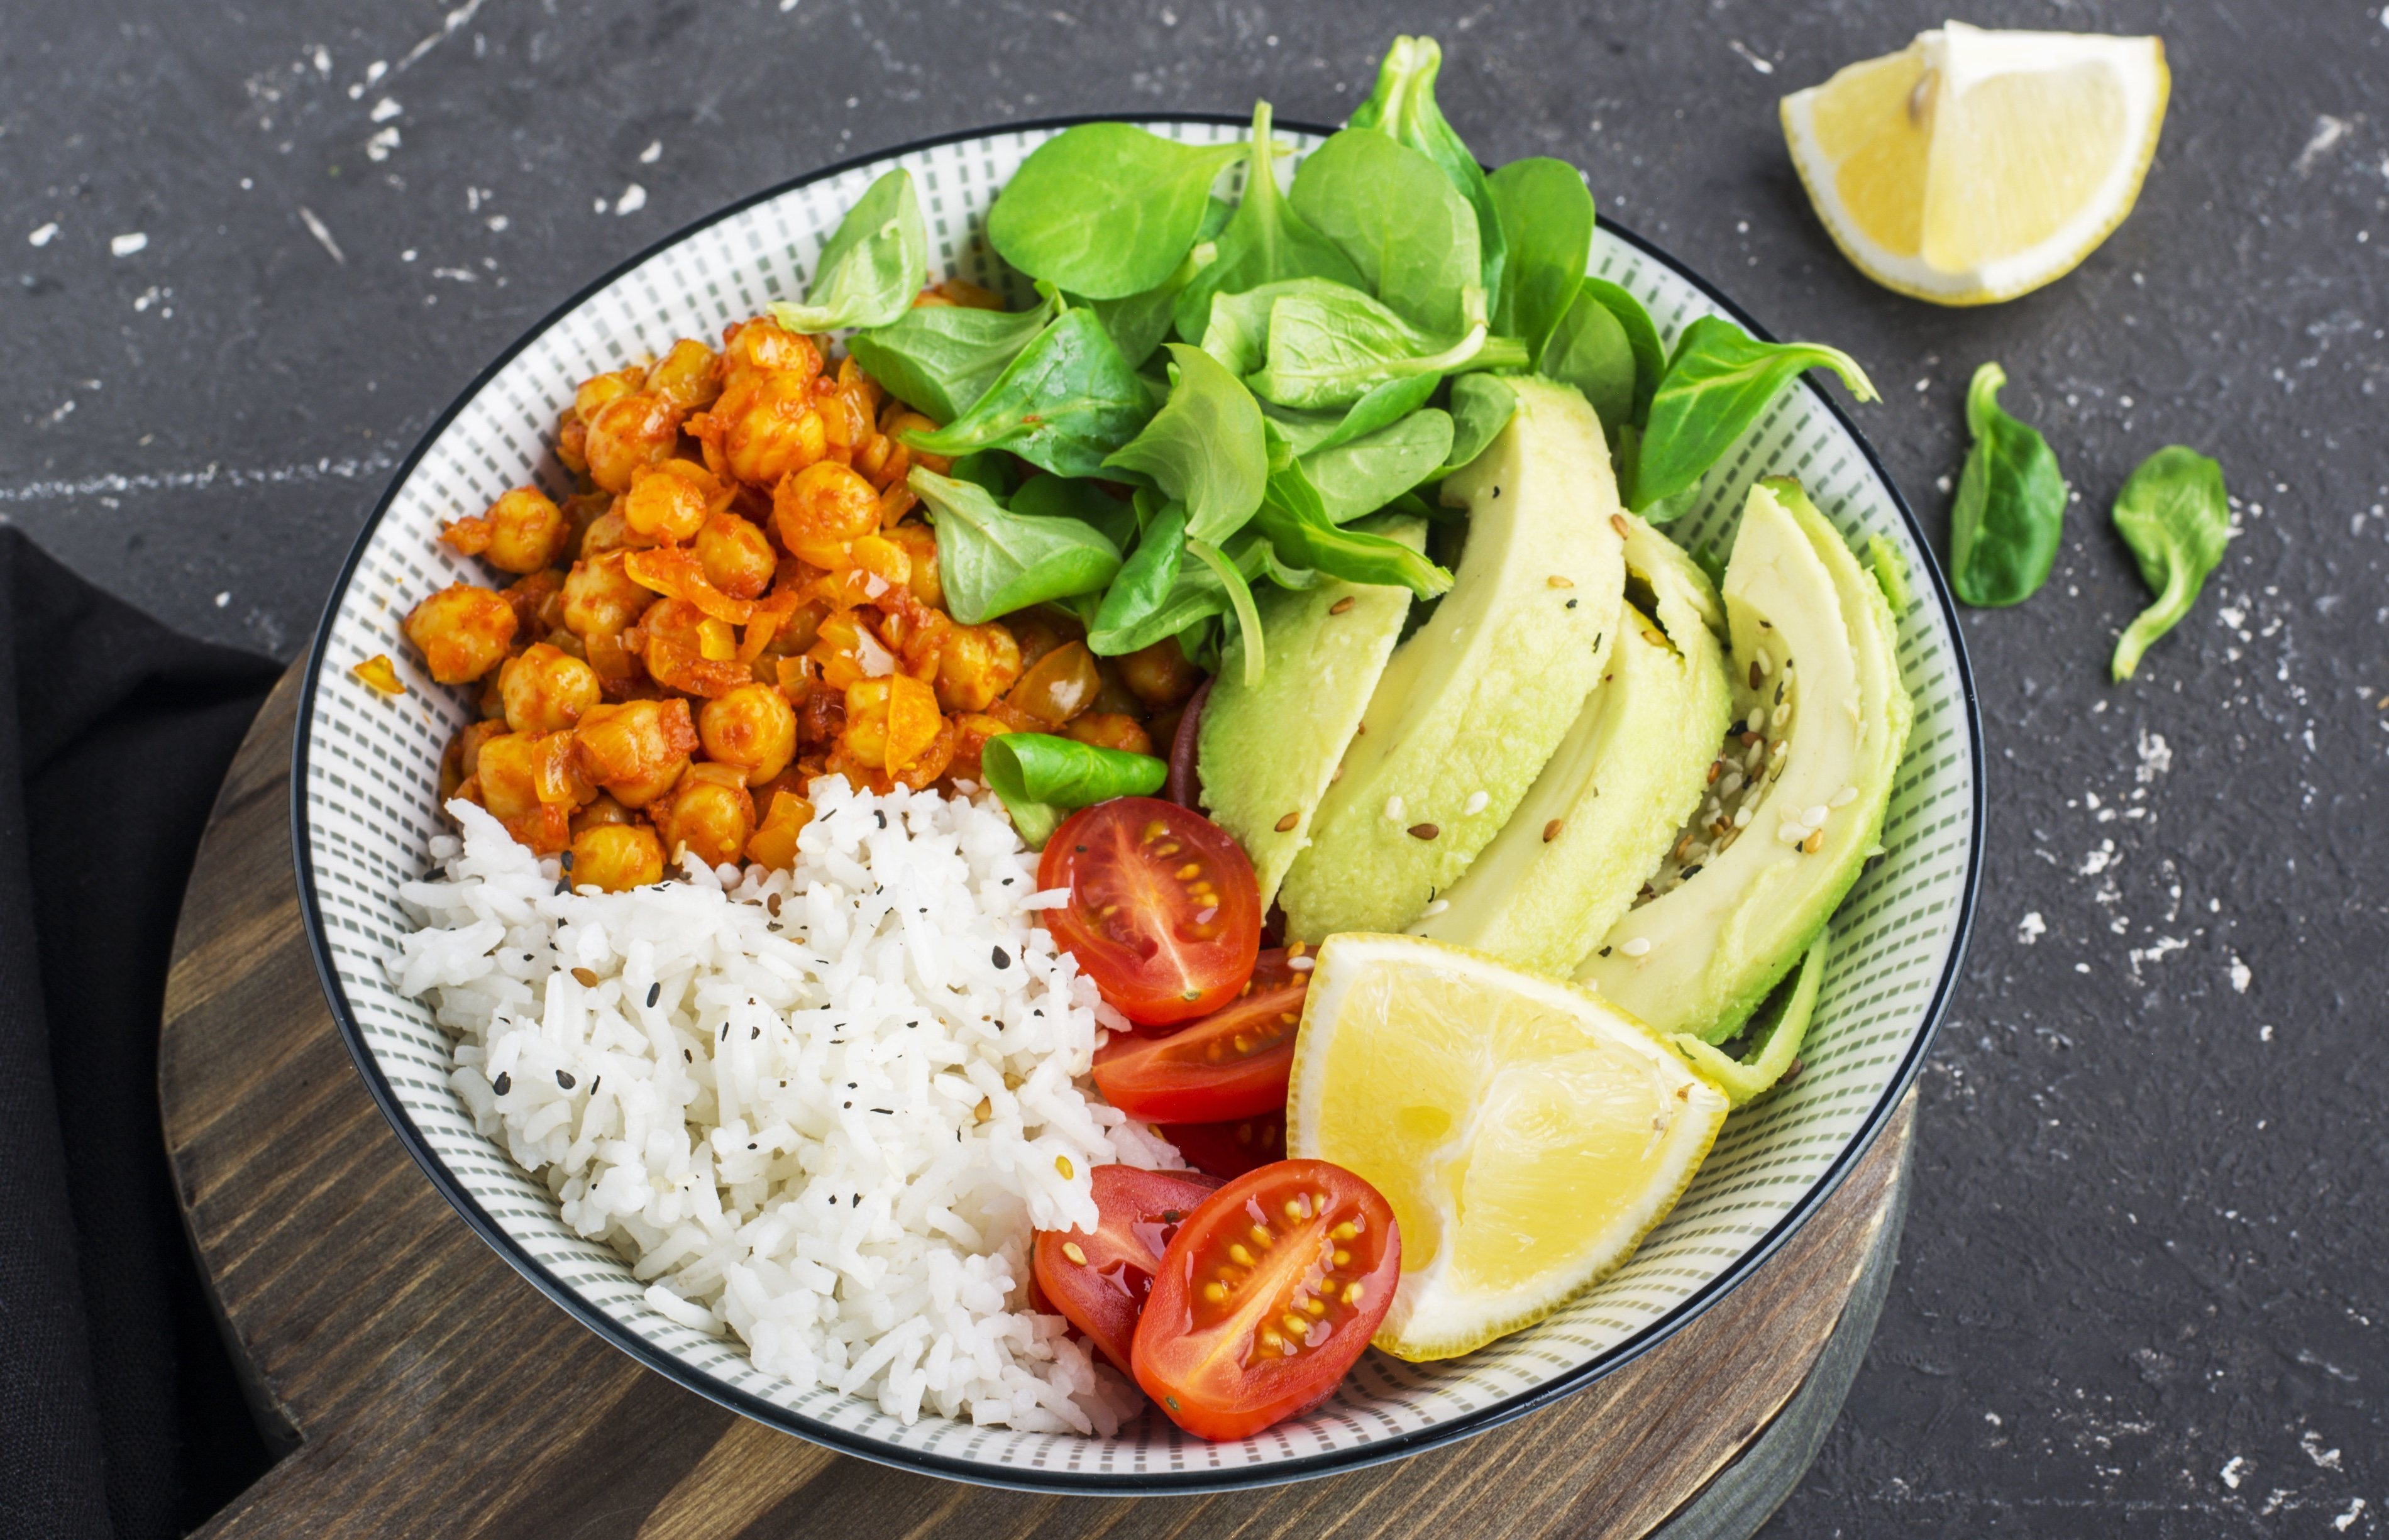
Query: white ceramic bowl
[[363, 806]]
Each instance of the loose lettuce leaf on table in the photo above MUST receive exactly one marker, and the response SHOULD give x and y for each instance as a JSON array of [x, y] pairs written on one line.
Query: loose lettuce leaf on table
[[2010, 512], [2173, 514]]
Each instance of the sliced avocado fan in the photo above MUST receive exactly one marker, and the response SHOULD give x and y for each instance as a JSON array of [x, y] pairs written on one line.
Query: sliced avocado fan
[[1805, 776], [1607, 805], [1775, 1032], [1472, 706], [1266, 753]]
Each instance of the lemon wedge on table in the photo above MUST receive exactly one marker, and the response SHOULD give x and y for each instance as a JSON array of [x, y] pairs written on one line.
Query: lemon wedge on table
[[1527, 1135], [1973, 166]]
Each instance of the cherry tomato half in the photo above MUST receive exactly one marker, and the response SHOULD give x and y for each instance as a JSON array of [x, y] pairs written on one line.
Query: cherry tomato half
[[1164, 913], [1230, 1149], [1137, 1212], [1266, 1296], [1231, 1063]]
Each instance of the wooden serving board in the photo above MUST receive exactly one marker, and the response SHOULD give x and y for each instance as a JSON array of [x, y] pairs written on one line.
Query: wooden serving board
[[421, 1387]]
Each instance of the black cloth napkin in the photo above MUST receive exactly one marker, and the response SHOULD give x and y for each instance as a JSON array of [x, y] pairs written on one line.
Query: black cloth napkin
[[120, 1415]]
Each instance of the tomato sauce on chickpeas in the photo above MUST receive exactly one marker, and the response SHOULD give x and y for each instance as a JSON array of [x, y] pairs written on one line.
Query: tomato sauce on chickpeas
[[739, 597]]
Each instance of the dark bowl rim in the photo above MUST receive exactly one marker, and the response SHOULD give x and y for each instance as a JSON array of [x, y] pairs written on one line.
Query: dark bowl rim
[[1026, 1477]]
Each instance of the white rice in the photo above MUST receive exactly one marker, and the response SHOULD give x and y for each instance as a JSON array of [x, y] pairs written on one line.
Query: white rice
[[776, 1121]]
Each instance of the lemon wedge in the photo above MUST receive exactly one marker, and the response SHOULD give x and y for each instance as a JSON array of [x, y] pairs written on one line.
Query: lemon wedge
[[1973, 166], [1527, 1135]]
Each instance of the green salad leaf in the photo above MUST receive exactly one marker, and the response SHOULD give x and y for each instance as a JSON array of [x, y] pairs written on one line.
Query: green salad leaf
[[1482, 406], [1331, 349], [1105, 209], [1309, 432], [1546, 218], [1265, 242], [1718, 381], [1650, 357], [1402, 107], [2175, 515], [1398, 219], [1240, 600], [1042, 779], [1066, 402], [994, 561], [1589, 348], [2010, 513], [1062, 497], [875, 261], [1145, 582], [942, 359], [1361, 476], [1294, 520], [1204, 447]]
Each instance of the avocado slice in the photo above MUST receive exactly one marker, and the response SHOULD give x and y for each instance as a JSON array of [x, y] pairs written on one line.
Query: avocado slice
[[1267, 752], [1780, 837], [1475, 701], [1774, 1032], [1606, 807]]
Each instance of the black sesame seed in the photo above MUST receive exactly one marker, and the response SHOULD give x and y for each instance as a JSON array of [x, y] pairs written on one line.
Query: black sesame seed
[[594, 1084], [1007, 881], [725, 1031], [1001, 959], [562, 887], [687, 1057], [881, 817], [1690, 873], [888, 1112], [753, 1033], [846, 1104], [503, 1084], [655, 993], [564, 1078], [1604, 951], [1571, 603]]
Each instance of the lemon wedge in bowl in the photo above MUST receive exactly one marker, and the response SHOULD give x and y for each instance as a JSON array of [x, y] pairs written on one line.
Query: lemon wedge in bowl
[[1973, 166], [1527, 1135]]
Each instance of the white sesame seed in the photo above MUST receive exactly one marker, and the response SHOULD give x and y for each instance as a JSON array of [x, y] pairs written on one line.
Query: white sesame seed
[[1301, 964], [1843, 798], [1638, 947], [1766, 665], [1783, 714], [1757, 719], [1742, 817], [1476, 805], [1815, 817], [1439, 907], [1394, 808]]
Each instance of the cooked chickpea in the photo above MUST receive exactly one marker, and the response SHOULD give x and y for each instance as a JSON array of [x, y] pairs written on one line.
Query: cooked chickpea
[[628, 433], [972, 731], [689, 650], [976, 665], [774, 843], [636, 750], [538, 602], [686, 377], [1159, 674], [753, 728], [890, 721], [1057, 686], [611, 531], [462, 760], [545, 688], [617, 857], [736, 556], [602, 809], [528, 783], [463, 632], [1109, 729], [763, 346], [664, 505], [820, 511], [765, 427], [920, 542], [527, 531], [709, 813], [599, 392], [600, 598], [1039, 630]]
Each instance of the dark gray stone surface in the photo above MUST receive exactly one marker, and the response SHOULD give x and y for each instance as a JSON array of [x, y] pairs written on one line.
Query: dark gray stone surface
[[2143, 1288]]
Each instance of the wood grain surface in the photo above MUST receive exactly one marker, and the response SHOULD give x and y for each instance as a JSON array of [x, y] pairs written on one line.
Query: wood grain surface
[[429, 1390]]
